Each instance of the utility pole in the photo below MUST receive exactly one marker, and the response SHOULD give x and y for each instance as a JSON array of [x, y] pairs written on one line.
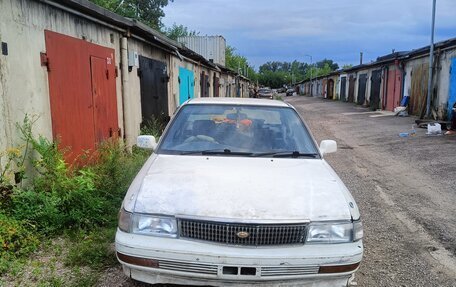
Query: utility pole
[[360, 58], [431, 63], [311, 64]]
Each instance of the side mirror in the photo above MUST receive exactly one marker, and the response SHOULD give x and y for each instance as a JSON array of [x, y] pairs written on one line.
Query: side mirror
[[328, 146], [146, 142]]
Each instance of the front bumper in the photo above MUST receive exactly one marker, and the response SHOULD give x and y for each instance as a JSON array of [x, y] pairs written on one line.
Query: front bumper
[[180, 261]]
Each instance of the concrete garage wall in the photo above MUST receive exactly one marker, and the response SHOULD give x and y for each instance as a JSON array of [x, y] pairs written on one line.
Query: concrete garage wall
[[174, 79], [368, 85], [443, 85], [24, 81], [24, 86], [134, 87], [441, 79], [224, 83], [407, 80], [356, 88], [173, 90]]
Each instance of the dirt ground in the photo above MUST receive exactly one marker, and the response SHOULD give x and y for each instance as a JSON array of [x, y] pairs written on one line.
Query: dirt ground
[[405, 188]]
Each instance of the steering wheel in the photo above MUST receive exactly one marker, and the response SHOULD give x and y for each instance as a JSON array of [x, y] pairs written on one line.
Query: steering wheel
[[200, 138]]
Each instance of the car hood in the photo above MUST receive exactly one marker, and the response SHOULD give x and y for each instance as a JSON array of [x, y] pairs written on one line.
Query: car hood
[[239, 188]]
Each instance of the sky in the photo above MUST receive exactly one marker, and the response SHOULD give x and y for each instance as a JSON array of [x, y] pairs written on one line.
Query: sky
[[287, 30]]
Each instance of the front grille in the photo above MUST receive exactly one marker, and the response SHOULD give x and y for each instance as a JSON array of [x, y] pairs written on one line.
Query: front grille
[[272, 271], [190, 267], [231, 233]]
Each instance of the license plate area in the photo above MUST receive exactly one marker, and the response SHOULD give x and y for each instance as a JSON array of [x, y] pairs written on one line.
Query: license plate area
[[239, 271]]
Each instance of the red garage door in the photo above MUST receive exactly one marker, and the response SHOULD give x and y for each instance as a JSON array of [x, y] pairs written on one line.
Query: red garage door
[[393, 96], [82, 88]]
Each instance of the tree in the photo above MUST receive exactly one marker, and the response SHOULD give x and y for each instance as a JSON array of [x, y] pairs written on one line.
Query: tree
[[321, 64], [276, 74], [148, 12], [177, 31], [275, 79], [239, 63], [316, 71]]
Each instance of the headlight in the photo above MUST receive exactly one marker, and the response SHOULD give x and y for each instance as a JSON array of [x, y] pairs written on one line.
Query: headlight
[[334, 232], [154, 225], [124, 220], [147, 224], [358, 231]]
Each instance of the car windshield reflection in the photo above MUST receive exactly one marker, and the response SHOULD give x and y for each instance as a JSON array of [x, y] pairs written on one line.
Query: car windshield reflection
[[233, 130]]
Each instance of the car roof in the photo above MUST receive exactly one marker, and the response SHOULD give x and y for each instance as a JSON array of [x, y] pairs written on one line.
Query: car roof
[[237, 101]]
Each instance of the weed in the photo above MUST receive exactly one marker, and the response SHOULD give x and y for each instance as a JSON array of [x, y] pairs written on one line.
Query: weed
[[93, 249], [81, 202], [16, 239], [12, 171], [154, 126]]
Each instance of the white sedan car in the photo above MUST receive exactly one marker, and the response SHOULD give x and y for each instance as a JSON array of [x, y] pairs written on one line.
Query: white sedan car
[[238, 193]]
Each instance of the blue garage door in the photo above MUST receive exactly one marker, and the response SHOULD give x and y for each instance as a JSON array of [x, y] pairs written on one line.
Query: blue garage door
[[452, 96], [186, 85]]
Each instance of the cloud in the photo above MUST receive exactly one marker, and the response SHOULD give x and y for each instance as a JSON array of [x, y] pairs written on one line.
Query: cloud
[[265, 30]]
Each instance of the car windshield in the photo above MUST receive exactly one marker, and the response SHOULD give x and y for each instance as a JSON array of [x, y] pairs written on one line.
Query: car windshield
[[238, 130], [265, 91]]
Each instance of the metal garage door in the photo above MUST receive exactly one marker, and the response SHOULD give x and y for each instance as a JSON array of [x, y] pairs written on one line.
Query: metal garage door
[[362, 89], [376, 80], [186, 85], [351, 88], [82, 91], [452, 95], [154, 88], [343, 85], [204, 81]]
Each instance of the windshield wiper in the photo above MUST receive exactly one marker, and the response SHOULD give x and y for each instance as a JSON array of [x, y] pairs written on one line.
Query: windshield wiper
[[293, 154], [216, 152], [225, 152]]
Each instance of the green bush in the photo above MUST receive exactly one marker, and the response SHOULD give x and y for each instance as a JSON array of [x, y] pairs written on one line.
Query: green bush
[[40, 208], [62, 198], [115, 169], [59, 197], [71, 203], [17, 238]]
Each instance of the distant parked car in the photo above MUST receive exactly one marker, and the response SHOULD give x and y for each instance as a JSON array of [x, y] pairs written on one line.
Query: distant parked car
[[281, 90], [265, 93], [290, 92], [237, 192]]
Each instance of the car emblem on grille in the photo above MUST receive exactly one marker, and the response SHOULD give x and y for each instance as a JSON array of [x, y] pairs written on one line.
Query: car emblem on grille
[[242, 234]]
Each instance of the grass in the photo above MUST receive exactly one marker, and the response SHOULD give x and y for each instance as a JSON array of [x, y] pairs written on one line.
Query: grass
[[93, 249], [47, 267], [58, 230]]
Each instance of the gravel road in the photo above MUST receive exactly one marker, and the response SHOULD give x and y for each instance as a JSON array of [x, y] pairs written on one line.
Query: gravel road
[[405, 188]]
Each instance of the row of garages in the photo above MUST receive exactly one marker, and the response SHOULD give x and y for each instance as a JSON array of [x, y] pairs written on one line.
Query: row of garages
[[385, 83], [89, 74]]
